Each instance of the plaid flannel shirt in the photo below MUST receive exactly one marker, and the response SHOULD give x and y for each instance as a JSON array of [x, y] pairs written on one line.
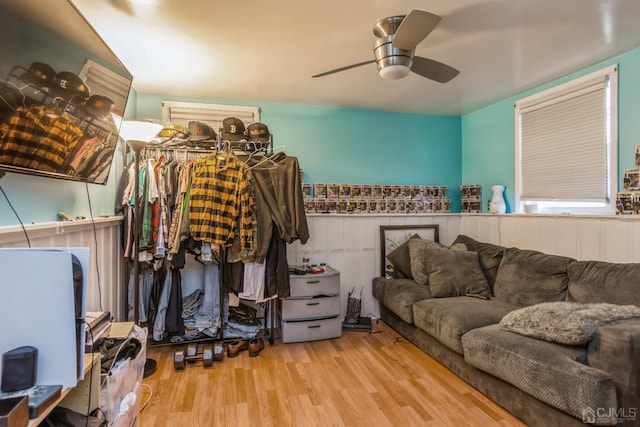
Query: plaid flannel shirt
[[37, 138], [221, 202]]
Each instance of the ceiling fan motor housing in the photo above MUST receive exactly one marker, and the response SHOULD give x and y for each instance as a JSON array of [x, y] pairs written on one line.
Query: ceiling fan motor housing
[[387, 54], [399, 61]]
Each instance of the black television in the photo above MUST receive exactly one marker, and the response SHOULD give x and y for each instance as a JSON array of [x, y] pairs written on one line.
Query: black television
[[62, 93]]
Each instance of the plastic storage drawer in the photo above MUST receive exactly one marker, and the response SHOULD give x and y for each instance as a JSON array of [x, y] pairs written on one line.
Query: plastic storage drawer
[[311, 330]]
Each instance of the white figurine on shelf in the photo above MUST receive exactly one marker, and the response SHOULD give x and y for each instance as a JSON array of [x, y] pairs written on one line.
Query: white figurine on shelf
[[497, 204]]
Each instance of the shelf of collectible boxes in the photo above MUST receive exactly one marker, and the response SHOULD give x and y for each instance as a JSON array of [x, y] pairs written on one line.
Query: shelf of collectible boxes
[[471, 198], [628, 201], [375, 198]]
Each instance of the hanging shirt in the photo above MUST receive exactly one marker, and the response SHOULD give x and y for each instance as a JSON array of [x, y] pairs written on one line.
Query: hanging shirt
[[38, 138], [221, 202]]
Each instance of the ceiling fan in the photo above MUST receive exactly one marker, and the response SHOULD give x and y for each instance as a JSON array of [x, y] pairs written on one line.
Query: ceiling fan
[[396, 40]]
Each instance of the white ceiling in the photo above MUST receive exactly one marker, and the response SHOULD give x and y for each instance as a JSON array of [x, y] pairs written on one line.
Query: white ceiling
[[268, 50]]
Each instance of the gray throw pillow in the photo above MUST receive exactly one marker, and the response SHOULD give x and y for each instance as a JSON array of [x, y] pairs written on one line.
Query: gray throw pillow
[[399, 258], [455, 273], [489, 255], [418, 256]]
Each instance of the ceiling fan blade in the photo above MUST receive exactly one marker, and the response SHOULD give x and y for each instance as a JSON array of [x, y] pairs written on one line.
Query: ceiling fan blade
[[433, 70], [414, 28], [348, 67]]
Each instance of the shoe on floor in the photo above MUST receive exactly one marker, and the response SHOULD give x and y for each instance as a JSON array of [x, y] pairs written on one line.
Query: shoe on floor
[[235, 347], [256, 345]]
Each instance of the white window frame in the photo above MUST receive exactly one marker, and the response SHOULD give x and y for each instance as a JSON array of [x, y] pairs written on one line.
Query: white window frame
[[211, 114], [103, 81], [553, 96]]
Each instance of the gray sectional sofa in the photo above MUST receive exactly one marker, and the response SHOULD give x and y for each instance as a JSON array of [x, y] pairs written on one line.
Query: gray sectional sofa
[[553, 340]]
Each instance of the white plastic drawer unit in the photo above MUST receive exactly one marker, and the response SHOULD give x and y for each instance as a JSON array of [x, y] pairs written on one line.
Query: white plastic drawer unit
[[309, 285], [311, 330], [310, 308]]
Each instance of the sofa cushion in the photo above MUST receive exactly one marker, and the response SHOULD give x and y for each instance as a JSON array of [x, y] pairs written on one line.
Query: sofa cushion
[[447, 319], [527, 277], [399, 258], [564, 322], [599, 281], [455, 273], [418, 254], [553, 373], [399, 295], [489, 256]]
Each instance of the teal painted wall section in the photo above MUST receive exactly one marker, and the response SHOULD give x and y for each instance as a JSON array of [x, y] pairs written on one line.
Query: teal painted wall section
[[488, 134], [356, 146]]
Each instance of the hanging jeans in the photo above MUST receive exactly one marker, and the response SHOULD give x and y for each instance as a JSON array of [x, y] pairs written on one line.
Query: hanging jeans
[[145, 284], [208, 318], [163, 304]]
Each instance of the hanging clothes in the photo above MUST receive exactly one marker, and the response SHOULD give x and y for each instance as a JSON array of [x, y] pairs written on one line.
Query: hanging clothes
[[279, 192], [220, 203], [38, 138]]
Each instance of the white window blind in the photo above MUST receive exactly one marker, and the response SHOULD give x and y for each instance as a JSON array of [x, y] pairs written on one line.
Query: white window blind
[[566, 141], [181, 113], [102, 81]]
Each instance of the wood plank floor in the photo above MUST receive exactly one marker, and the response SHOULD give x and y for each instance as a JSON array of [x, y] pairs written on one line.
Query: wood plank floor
[[359, 379]]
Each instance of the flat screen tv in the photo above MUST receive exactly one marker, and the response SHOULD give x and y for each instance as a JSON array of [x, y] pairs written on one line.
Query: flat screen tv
[[60, 86]]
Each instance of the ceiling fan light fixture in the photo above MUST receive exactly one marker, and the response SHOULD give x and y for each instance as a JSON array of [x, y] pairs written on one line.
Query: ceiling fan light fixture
[[394, 72]]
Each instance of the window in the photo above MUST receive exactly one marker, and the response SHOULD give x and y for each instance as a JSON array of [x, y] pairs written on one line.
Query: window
[[566, 146], [105, 82], [181, 113]]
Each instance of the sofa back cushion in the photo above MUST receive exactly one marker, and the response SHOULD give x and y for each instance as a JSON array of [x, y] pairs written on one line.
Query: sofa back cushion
[[599, 281], [527, 277], [489, 256]]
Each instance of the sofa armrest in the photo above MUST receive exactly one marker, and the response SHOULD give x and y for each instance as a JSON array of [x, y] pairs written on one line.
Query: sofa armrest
[[615, 350]]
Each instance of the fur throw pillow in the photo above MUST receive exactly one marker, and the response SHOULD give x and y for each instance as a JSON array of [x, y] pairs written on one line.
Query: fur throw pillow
[[568, 323]]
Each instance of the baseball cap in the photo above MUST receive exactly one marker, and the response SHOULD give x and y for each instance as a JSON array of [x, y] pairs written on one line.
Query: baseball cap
[[98, 105], [41, 75], [199, 131], [258, 132], [69, 85], [171, 130], [233, 129]]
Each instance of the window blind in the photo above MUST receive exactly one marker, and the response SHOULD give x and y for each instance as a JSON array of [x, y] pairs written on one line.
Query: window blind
[[181, 113], [103, 81], [565, 143]]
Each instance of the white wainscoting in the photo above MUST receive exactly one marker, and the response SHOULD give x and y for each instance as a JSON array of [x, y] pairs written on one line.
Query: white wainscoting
[[106, 263], [351, 244], [606, 238]]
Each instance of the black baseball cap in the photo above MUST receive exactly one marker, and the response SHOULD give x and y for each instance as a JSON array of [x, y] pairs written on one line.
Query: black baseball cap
[[258, 132], [233, 129], [200, 131], [98, 105], [69, 85], [42, 75]]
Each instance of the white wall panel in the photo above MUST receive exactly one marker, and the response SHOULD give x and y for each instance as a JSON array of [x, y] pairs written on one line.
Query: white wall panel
[[590, 235], [616, 243], [106, 287]]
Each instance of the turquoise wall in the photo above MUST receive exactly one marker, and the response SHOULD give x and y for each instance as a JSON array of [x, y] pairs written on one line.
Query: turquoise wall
[[356, 146], [332, 145], [488, 134]]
